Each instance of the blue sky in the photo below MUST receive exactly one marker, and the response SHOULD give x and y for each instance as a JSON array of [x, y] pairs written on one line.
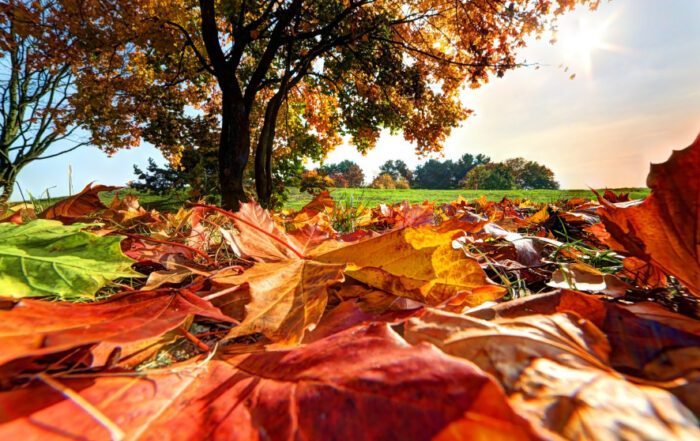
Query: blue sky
[[639, 100]]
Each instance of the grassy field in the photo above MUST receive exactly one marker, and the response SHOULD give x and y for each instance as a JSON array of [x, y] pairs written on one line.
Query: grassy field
[[370, 197]]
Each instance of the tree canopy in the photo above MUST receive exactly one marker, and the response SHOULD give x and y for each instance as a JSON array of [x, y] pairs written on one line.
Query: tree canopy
[[289, 78]]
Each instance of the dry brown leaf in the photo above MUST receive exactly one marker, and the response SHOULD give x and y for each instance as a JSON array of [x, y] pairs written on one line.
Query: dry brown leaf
[[554, 369], [593, 405], [582, 277], [159, 278], [81, 204]]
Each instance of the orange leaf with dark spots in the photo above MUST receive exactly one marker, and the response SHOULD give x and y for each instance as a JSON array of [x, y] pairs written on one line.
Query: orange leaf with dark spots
[[365, 383]]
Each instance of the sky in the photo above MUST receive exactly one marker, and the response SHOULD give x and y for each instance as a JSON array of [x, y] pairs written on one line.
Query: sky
[[635, 98]]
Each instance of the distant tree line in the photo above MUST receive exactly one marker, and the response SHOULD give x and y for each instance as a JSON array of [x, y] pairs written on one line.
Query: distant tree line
[[475, 172]]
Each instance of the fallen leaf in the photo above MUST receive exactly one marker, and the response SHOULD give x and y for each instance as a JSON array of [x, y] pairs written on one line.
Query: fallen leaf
[[417, 263], [46, 258], [642, 273], [159, 278], [646, 340], [615, 198], [589, 404], [167, 255], [504, 347], [20, 215], [540, 216], [81, 204], [349, 314], [582, 277], [554, 369], [527, 253], [664, 229], [259, 237], [34, 327], [287, 298], [365, 383], [128, 211]]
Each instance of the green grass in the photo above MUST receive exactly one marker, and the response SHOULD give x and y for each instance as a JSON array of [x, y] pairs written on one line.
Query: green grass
[[370, 197]]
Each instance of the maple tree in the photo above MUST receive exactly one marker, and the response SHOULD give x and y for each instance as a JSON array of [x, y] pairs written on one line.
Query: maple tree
[[330, 67], [463, 320]]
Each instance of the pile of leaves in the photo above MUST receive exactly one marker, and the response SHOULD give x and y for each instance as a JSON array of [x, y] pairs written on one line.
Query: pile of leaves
[[468, 320]]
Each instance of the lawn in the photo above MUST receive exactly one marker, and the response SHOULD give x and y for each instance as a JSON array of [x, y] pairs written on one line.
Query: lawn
[[371, 197]]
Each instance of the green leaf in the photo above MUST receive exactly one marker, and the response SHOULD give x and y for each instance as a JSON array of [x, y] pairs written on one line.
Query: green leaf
[[47, 258]]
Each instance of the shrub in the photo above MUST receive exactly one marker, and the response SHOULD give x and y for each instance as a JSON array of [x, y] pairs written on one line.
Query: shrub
[[383, 181], [314, 182], [402, 184]]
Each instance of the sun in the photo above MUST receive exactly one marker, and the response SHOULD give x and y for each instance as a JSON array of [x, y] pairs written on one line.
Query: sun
[[579, 44]]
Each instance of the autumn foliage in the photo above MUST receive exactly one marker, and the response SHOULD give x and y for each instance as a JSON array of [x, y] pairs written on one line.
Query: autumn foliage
[[273, 83], [470, 320]]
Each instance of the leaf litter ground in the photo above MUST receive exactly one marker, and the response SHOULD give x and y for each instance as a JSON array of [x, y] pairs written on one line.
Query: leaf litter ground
[[466, 320]]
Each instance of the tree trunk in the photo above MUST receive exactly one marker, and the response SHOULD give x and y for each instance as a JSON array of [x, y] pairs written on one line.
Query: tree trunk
[[263, 152], [234, 149], [8, 177]]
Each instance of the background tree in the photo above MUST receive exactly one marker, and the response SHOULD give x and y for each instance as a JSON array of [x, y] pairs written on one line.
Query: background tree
[[397, 169], [465, 164], [354, 177], [36, 86], [368, 64], [192, 141], [492, 176], [159, 180], [531, 175], [434, 174], [345, 174]]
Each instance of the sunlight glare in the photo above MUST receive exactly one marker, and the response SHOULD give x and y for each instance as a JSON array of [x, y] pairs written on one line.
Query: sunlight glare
[[580, 44]]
